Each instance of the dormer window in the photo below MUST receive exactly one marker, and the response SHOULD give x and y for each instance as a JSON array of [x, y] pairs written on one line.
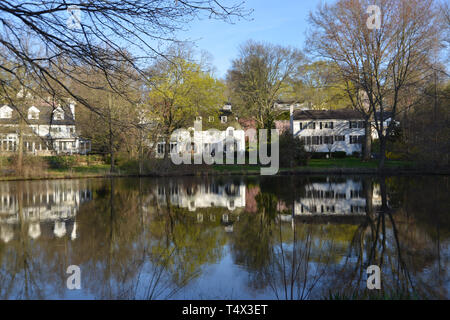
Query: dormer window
[[58, 114], [6, 112], [33, 113], [223, 119]]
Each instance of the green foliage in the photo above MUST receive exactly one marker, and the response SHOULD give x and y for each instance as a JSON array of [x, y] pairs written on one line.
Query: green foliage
[[61, 162], [292, 151], [180, 91], [320, 85]]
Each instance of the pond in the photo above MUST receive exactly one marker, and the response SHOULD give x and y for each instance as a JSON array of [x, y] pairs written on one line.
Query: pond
[[291, 237]]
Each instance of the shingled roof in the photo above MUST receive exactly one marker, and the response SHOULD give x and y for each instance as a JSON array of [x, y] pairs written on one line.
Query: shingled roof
[[339, 114], [45, 115]]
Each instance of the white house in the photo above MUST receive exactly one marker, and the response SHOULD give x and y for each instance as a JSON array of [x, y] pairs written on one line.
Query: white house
[[329, 130], [196, 141], [49, 129], [333, 130]]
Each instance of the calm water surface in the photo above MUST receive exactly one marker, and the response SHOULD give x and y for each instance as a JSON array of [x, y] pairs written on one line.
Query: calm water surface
[[225, 238]]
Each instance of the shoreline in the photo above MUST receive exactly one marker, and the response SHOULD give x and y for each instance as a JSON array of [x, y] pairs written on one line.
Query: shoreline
[[211, 173]]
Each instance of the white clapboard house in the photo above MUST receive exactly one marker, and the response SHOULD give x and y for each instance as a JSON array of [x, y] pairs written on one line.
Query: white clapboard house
[[329, 130], [46, 128]]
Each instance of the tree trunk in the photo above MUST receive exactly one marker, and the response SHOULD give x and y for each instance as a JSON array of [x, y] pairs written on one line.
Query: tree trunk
[[19, 164], [166, 147], [382, 154], [367, 140], [111, 137], [141, 154], [112, 161]]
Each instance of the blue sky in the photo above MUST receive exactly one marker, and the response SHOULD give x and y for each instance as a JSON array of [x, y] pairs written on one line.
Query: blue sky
[[281, 22]]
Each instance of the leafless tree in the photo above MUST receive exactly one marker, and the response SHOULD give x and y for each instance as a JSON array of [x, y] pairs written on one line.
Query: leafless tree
[[69, 34], [259, 76], [380, 66]]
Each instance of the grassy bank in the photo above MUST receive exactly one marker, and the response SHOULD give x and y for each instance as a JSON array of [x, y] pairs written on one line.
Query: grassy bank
[[75, 172], [326, 165], [315, 166]]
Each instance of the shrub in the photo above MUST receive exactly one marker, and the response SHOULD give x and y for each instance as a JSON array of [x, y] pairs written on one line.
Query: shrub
[[292, 151], [61, 162], [31, 166], [318, 155], [339, 154]]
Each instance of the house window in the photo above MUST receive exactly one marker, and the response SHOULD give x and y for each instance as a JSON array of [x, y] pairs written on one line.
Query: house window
[[328, 125], [223, 119], [328, 140], [173, 147], [58, 115], [339, 138], [211, 119], [161, 148], [356, 139], [353, 124], [356, 194], [311, 125], [33, 115]]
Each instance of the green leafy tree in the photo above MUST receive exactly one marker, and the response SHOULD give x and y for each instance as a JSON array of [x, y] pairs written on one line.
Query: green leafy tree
[[180, 90]]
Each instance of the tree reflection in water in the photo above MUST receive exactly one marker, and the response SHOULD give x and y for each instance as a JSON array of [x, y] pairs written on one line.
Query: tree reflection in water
[[274, 238]]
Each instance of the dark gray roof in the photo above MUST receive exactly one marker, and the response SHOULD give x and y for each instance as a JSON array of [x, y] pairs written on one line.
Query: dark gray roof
[[340, 114], [386, 115], [45, 115]]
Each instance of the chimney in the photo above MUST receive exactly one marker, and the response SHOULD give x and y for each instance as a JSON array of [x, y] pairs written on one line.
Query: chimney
[[72, 108]]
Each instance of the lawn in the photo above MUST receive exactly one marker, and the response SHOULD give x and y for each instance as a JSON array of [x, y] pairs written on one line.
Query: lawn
[[92, 169], [355, 163], [320, 164]]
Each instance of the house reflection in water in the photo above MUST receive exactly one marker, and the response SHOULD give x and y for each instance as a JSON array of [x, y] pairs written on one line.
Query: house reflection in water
[[229, 196], [344, 198], [48, 210], [206, 195]]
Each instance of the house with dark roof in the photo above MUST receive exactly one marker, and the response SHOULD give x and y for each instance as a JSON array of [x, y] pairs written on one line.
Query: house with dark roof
[[339, 130], [46, 128]]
